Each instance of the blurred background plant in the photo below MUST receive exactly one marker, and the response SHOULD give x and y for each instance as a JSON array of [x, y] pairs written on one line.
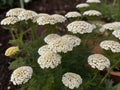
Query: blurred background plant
[[110, 9], [6, 4]]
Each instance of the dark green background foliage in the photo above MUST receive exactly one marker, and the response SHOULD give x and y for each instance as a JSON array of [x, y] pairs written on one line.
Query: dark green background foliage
[[5, 4], [110, 10]]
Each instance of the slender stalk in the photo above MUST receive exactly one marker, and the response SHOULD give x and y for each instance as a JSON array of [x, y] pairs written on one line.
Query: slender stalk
[[21, 38], [32, 34], [114, 2], [96, 73], [16, 33], [12, 34], [65, 88], [22, 3], [109, 71]]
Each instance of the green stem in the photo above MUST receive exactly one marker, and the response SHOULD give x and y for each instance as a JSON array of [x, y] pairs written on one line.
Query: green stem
[[49, 29], [21, 38], [32, 33], [22, 3], [109, 71], [96, 73], [33, 28], [12, 34], [65, 88], [16, 33], [114, 2]]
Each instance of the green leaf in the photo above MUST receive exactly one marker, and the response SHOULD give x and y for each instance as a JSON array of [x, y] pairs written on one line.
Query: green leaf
[[116, 87], [49, 84], [17, 63]]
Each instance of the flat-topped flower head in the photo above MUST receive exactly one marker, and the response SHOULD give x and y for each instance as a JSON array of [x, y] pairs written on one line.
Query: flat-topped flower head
[[44, 20], [116, 33], [11, 51], [80, 27], [42, 50], [9, 21], [14, 12], [82, 5], [71, 80], [98, 61], [39, 15], [26, 15], [92, 13], [49, 60], [72, 40], [51, 37], [112, 45], [110, 26], [93, 1], [21, 75], [73, 14], [59, 18], [60, 45]]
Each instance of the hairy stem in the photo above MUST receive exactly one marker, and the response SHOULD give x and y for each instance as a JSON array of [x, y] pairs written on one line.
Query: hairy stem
[[114, 2], [96, 73], [109, 72], [21, 3], [12, 34]]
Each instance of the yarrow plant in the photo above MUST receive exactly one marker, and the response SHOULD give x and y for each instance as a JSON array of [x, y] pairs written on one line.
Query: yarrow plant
[[73, 15], [62, 58]]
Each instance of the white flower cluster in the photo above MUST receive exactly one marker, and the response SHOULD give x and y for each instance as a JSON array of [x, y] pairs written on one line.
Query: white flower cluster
[[14, 12], [80, 27], [51, 37], [71, 80], [98, 61], [49, 57], [42, 50], [45, 20], [110, 45], [92, 13], [93, 1], [49, 60], [26, 15], [82, 5], [21, 75], [116, 33], [60, 45], [9, 20], [73, 14], [39, 15], [72, 40], [18, 14], [63, 44], [51, 19], [59, 18], [110, 26]]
